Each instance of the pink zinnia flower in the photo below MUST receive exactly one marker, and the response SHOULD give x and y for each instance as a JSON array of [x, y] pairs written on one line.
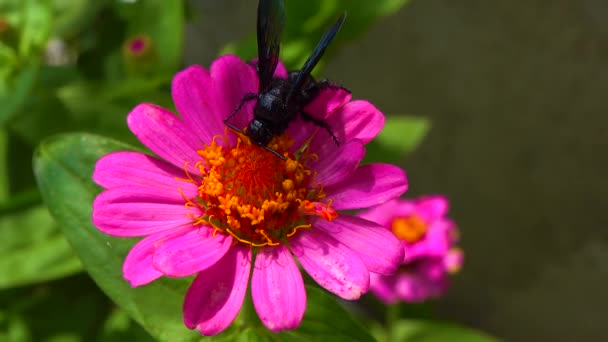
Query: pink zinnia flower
[[428, 239], [216, 205]]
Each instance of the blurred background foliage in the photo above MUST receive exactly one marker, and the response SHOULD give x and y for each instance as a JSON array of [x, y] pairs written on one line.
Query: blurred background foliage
[[516, 100]]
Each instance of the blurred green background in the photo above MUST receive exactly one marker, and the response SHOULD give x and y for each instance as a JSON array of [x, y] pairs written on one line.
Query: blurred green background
[[514, 94]]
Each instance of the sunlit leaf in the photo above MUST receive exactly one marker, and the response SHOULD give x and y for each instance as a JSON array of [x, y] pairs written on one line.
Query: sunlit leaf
[[400, 136], [8, 63], [403, 133], [36, 26], [63, 167]]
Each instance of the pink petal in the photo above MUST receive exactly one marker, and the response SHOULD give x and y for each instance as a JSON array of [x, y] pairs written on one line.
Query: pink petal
[[301, 131], [216, 294], [355, 120], [322, 107], [383, 287], [233, 79], [339, 164], [327, 101], [137, 268], [331, 264], [166, 135], [137, 170], [436, 242], [277, 289], [411, 288], [279, 72], [358, 119], [425, 281], [191, 251], [453, 260], [119, 212], [369, 185], [196, 100], [385, 213], [377, 246], [432, 207]]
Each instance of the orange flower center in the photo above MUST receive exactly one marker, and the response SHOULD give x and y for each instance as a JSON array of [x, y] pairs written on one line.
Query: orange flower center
[[409, 228], [253, 195]]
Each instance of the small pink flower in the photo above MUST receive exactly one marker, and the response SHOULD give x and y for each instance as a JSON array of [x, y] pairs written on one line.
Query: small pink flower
[[428, 239], [215, 205]]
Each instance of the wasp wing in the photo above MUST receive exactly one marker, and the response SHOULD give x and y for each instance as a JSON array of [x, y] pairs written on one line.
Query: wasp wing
[[316, 55], [271, 20]]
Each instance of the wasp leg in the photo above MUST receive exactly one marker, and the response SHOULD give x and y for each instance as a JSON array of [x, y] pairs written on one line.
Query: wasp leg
[[246, 98], [327, 84], [307, 117], [272, 151]]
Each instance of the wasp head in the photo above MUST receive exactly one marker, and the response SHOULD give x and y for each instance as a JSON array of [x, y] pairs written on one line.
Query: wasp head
[[260, 132]]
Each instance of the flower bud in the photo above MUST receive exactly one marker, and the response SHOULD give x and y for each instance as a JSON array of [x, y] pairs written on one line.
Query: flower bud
[[139, 54]]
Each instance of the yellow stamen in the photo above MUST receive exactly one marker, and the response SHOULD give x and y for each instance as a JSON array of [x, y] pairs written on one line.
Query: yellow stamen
[[409, 228], [249, 193]]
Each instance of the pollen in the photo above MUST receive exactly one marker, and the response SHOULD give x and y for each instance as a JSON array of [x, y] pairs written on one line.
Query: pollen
[[249, 193], [409, 228]]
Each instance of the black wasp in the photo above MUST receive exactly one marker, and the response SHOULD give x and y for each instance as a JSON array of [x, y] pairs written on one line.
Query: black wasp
[[280, 101]]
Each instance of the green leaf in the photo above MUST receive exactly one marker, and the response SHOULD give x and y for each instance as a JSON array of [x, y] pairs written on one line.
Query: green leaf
[[69, 309], [120, 327], [14, 91], [432, 331], [403, 133], [96, 107], [326, 320], [33, 249], [36, 26], [41, 113], [13, 328], [9, 61], [21, 183], [4, 170], [400, 137], [71, 16], [63, 166]]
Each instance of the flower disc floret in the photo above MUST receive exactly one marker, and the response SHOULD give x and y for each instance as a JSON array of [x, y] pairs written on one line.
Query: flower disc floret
[[254, 196], [409, 228]]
